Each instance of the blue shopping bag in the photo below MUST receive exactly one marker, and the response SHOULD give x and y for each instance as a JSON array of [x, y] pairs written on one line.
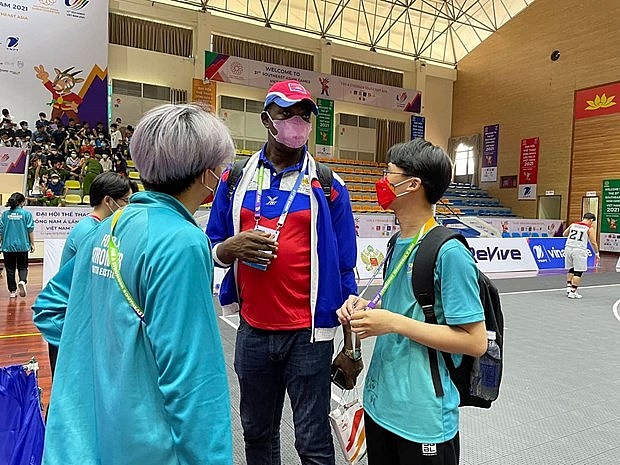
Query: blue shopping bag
[[22, 429]]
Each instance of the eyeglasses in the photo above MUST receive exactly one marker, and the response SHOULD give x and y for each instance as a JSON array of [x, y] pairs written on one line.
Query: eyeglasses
[[386, 172]]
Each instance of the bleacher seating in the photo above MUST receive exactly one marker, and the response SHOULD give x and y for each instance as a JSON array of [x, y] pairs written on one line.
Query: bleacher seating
[[73, 199], [471, 200], [459, 199]]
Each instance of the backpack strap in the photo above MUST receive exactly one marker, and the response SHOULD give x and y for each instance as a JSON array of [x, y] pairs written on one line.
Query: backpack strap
[[423, 282], [326, 177], [235, 174], [324, 174]]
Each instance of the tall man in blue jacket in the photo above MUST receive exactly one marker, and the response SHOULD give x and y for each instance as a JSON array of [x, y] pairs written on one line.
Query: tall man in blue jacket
[[291, 253]]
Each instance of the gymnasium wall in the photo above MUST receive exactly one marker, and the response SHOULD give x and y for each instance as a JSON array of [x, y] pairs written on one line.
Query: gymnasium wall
[[509, 79], [167, 70]]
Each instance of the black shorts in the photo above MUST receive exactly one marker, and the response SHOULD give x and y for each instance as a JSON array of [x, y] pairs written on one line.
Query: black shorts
[[387, 448]]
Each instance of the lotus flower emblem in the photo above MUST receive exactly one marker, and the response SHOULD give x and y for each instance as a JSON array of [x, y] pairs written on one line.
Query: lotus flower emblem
[[601, 101]]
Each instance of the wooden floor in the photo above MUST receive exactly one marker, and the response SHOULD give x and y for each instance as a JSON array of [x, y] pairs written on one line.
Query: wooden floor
[[19, 338]]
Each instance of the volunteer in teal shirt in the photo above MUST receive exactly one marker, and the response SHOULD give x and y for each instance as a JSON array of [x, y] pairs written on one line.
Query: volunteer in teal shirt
[[108, 193], [16, 240], [152, 390], [406, 423]]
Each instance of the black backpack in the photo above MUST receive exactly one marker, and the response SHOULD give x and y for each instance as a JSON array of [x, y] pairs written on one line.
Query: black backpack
[[323, 172], [424, 291]]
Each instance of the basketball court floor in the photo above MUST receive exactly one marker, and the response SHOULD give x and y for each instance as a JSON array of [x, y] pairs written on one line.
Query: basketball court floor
[[559, 402]]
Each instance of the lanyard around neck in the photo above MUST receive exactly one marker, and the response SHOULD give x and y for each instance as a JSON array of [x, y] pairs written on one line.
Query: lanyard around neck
[[289, 201], [401, 262], [116, 269]]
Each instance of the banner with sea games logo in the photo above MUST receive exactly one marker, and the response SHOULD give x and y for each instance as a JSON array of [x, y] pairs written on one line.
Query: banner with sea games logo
[[325, 128], [226, 68], [54, 59]]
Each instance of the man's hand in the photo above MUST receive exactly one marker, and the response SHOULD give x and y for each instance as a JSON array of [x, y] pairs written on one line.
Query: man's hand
[[374, 323], [352, 304], [351, 368], [251, 246], [31, 248]]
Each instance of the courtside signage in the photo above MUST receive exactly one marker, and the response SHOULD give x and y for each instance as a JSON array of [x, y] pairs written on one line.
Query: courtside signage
[[497, 255], [549, 252]]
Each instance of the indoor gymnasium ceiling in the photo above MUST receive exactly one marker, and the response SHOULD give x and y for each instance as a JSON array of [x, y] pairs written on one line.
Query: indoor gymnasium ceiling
[[440, 31]]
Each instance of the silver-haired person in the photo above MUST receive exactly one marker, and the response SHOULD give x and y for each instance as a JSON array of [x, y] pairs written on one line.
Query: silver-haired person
[[140, 376]]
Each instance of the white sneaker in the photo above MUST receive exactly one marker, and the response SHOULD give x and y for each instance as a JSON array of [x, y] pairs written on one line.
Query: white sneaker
[[21, 287], [574, 295], [568, 289], [13, 295]]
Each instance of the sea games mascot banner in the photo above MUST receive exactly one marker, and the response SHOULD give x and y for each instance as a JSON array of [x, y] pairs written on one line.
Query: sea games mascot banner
[[54, 58]]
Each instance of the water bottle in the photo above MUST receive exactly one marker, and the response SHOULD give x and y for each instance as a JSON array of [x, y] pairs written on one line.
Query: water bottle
[[490, 369]]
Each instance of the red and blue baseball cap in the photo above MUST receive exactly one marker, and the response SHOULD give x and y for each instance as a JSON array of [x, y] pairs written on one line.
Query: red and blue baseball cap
[[287, 93]]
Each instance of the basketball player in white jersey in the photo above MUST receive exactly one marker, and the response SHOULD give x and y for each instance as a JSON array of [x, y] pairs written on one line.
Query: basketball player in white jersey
[[576, 252]]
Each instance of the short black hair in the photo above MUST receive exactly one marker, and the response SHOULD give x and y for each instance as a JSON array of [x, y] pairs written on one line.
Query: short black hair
[[108, 184], [426, 161], [589, 216], [16, 199], [41, 114]]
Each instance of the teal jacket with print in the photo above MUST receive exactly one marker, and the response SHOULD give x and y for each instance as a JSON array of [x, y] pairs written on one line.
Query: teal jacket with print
[[131, 392]]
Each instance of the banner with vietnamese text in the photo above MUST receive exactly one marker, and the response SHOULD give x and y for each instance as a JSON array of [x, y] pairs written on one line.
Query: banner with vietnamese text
[[528, 168], [610, 216], [490, 143]]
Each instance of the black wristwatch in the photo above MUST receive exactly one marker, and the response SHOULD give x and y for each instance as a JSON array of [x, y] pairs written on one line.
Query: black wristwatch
[[353, 354]]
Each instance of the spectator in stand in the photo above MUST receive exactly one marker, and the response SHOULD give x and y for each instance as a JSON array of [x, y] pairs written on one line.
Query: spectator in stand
[[74, 165], [121, 128], [90, 170], [116, 138], [16, 239], [120, 165], [100, 129], [7, 121], [41, 135], [100, 140], [56, 185], [55, 156], [54, 124], [88, 149], [60, 135], [127, 139], [85, 132], [106, 162], [23, 132], [42, 121], [72, 129], [73, 144], [5, 138], [61, 168]]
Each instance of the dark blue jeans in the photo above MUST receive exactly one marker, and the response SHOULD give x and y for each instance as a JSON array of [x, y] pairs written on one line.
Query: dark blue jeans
[[270, 363]]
